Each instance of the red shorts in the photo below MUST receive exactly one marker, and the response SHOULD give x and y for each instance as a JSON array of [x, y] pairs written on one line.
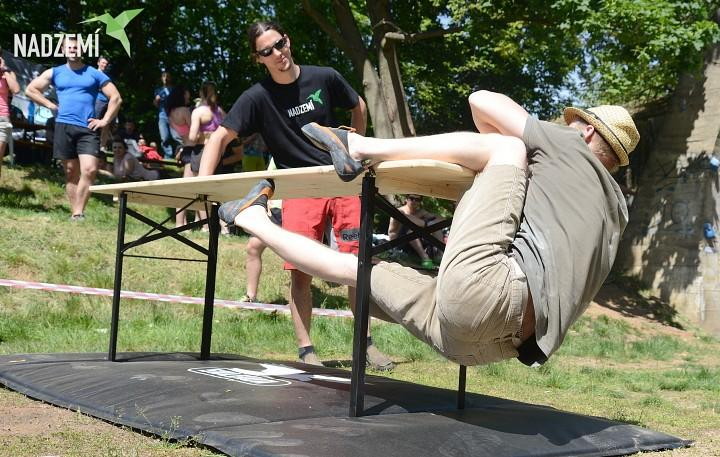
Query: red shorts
[[309, 217]]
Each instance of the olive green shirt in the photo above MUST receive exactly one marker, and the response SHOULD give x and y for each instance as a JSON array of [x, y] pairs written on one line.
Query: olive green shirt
[[572, 221]]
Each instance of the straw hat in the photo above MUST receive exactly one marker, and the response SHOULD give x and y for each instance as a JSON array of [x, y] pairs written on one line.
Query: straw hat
[[615, 125]]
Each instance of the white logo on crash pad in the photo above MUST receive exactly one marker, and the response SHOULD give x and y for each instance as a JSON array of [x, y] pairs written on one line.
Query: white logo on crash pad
[[268, 376], [251, 377]]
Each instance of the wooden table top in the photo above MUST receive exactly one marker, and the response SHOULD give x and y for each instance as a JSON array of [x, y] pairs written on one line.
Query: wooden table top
[[424, 177]]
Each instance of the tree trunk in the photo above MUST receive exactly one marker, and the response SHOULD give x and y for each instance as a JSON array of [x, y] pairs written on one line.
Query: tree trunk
[[379, 88], [389, 69]]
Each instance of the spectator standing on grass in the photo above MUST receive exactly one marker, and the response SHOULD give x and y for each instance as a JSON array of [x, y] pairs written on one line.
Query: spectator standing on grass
[[101, 104], [255, 248], [206, 118], [77, 131], [277, 107], [179, 118], [8, 87], [168, 139]]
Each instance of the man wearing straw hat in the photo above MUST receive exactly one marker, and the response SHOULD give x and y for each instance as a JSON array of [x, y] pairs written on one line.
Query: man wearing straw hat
[[531, 242]]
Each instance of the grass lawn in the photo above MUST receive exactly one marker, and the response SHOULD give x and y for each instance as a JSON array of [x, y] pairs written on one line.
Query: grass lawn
[[631, 367]]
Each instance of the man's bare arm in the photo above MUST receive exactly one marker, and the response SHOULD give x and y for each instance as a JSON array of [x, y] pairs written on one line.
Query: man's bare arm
[[36, 88], [358, 117]]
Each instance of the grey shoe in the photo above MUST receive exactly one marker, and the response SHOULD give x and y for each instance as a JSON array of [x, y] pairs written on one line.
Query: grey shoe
[[334, 141], [377, 360], [228, 211], [311, 359]]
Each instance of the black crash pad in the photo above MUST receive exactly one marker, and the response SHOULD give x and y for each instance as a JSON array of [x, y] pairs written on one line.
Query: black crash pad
[[247, 407]]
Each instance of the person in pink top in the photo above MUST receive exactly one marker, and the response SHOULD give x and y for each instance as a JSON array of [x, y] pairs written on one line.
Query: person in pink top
[[8, 86], [179, 117], [206, 118]]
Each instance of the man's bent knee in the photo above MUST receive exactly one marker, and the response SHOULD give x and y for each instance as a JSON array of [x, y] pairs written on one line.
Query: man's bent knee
[[508, 150]]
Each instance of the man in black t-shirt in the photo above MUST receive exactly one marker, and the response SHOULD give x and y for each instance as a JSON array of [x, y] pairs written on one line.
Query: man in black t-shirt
[[277, 107]]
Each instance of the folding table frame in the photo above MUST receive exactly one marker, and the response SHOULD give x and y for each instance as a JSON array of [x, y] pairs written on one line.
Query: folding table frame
[[371, 200]]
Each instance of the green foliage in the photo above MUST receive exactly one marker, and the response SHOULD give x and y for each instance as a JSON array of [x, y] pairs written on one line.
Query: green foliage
[[635, 49], [542, 54], [548, 54]]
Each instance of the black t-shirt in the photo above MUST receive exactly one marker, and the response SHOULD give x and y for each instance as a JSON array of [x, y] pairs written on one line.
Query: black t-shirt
[[278, 111]]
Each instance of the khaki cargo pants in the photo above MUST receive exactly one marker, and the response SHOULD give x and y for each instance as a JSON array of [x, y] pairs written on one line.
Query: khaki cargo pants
[[472, 312]]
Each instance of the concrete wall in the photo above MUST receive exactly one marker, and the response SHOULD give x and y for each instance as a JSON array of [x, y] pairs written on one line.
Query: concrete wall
[[677, 192]]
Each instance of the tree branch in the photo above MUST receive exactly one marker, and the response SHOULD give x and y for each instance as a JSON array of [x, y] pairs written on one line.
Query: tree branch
[[413, 37], [326, 26]]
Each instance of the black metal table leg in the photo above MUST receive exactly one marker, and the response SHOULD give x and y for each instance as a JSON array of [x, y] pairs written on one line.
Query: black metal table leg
[[461, 387], [214, 226], [362, 306], [117, 287]]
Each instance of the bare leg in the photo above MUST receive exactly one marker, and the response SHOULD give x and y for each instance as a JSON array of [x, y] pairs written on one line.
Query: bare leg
[[419, 250], [2, 154], [308, 255], [88, 171], [475, 101], [72, 177], [301, 306], [253, 266], [469, 149], [199, 215], [181, 216]]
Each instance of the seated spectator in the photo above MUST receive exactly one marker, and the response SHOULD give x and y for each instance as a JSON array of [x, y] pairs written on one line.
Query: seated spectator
[[412, 208], [148, 152], [127, 166]]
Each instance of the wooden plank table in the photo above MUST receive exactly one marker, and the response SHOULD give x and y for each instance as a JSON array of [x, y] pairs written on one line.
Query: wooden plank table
[[424, 177]]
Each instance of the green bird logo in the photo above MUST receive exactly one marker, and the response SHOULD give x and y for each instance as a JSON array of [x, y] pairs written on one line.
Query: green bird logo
[[315, 96], [115, 27]]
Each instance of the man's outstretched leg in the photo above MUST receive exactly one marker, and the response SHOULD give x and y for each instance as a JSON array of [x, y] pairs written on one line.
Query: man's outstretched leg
[[350, 151], [308, 255]]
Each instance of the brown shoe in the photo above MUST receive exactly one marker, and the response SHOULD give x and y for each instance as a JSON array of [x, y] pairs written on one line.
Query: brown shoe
[[376, 360]]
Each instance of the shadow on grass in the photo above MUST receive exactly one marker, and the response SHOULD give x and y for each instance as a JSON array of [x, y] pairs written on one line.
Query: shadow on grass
[[327, 301], [26, 199], [48, 173], [622, 296]]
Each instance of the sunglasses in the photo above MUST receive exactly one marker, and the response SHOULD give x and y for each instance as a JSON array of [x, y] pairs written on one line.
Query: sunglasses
[[279, 45], [414, 198]]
